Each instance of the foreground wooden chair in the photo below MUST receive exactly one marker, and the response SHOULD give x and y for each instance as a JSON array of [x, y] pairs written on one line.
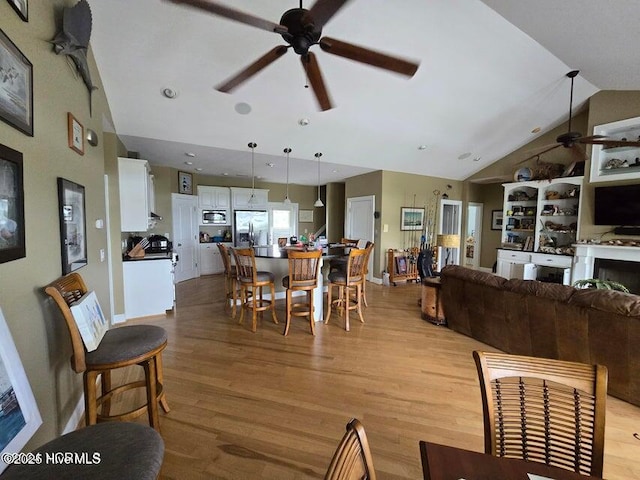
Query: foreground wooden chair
[[251, 283], [348, 281], [352, 459], [544, 410], [369, 249], [120, 347], [127, 451], [303, 276], [230, 280]]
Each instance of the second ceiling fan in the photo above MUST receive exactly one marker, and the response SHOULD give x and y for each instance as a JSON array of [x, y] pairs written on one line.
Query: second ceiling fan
[[301, 29]]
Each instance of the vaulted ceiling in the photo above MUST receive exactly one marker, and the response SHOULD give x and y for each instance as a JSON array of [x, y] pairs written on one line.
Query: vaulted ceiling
[[490, 72]]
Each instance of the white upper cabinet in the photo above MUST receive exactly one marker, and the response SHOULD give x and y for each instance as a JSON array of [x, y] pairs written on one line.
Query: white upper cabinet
[[214, 198], [241, 199], [133, 178]]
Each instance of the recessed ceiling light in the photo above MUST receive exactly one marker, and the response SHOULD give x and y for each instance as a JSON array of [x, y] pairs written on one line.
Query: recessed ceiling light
[[242, 108], [225, 174], [303, 122], [335, 170], [199, 169], [270, 164], [188, 163], [536, 130], [422, 147], [464, 155], [477, 159], [169, 92], [190, 154]]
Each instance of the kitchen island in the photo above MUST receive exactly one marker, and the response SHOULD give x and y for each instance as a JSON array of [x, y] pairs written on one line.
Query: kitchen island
[[148, 285]]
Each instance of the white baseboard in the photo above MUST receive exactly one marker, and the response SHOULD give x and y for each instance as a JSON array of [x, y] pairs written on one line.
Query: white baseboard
[[119, 319]]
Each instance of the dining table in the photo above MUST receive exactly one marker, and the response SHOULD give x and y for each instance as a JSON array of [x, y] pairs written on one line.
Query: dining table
[[442, 462]]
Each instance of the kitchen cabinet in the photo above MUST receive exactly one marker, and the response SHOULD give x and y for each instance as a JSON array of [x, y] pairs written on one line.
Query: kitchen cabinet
[[610, 164], [240, 199], [210, 259], [148, 287], [133, 180], [214, 198]]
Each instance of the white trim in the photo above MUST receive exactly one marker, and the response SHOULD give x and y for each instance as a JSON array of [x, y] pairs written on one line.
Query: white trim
[[76, 416], [120, 318]]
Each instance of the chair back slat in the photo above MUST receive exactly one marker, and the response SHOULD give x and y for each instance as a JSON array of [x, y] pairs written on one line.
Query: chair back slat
[[64, 291], [226, 258], [352, 459], [303, 268], [356, 264], [245, 264], [544, 410]]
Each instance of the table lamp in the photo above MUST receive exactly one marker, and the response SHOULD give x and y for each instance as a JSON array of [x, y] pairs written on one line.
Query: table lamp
[[448, 241]]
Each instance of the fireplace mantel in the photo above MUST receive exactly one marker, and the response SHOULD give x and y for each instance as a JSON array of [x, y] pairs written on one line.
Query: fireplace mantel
[[585, 255]]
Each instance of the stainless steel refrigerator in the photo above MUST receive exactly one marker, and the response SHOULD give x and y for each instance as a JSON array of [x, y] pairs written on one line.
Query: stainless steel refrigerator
[[250, 228]]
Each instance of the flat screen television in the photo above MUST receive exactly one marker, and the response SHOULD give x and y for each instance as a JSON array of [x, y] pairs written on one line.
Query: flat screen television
[[617, 206]]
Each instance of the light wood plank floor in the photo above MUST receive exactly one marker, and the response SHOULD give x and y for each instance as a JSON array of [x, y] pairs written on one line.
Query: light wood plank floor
[[259, 405]]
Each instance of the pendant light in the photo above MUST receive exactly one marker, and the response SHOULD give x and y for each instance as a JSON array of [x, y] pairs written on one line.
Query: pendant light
[[286, 195], [318, 201], [252, 146]]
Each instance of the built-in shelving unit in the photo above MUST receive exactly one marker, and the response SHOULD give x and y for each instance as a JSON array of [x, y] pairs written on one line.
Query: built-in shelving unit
[[613, 163]]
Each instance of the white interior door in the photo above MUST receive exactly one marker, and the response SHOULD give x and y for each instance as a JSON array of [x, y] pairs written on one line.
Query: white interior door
[[472, 235], [185, 235], [359, 222], [450, 223]]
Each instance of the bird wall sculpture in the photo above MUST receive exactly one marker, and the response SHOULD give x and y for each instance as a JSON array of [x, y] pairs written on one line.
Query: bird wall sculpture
[[73, 40]]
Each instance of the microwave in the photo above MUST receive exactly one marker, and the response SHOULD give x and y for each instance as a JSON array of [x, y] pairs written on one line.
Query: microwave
[[215, 217]]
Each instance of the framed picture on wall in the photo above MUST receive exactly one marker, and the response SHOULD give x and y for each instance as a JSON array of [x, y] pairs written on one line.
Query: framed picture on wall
[[12, 231], [16, 93], [411, 218], [73, 225], [185, 183], [21, 7], [20, 416], [496, 219], [75, 134]]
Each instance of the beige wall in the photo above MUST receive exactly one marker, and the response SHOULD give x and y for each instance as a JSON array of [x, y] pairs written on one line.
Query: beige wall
[[40, 335]]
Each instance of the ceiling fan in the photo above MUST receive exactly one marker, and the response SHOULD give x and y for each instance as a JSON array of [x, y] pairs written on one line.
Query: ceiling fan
[[302, 29], [573, 140]]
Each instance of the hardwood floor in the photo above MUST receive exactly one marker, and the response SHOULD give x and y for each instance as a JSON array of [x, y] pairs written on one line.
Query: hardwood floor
[[260, 405]]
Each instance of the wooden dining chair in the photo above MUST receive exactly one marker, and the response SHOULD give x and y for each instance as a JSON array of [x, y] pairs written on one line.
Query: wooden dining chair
[[230, 280], [251, 283], [544, 410], [303, 277], [340, 263], [352, 459], [349, 283], [120, 347], [369, 249]]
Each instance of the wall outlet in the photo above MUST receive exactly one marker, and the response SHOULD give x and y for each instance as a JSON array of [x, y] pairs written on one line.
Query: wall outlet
[[102, 255]]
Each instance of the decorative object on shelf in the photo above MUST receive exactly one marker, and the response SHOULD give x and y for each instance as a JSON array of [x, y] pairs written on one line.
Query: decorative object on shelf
[[601, 284], [73, 229], [22, 9], [16, 94], [20, 416], [523, 174], [318, 202], [286, 195], [496, 219], [73, 40], [401, 265], [185, 183], [620, 159], [12, 225], [411, 218], [75, 133]]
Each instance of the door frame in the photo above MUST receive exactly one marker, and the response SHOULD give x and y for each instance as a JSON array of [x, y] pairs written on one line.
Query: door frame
[[347, 225], [477, 248]]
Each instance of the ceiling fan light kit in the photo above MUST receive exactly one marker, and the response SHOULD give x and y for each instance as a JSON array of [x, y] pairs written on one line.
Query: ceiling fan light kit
[[318, 202], [286, 195], [252, 146], [301, 29]]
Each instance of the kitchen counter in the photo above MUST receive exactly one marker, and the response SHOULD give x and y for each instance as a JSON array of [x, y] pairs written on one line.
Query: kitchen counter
[[148, 256], [274, 251], [148, 286]]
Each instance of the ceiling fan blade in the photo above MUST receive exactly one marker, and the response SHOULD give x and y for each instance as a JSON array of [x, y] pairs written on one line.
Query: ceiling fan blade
[[244, 75], [318, 86], [233, 14], [610, 142], [546, 149], [322, 11], [371, 57]]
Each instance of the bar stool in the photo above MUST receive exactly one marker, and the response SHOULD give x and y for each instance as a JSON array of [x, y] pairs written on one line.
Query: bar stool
[[128, 451], [120, 347], [340, 263], [230, 280], [348, 281], [251, 284], [303, 276], [369, 248]]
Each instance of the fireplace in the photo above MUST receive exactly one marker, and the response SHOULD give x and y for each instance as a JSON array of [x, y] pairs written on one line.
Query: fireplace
[[620, 271]]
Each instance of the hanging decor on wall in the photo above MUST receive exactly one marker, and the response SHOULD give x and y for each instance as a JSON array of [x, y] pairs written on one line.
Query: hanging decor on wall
[[12, 230], [75, 133], [73, 225], [21, 7], [16, 93]]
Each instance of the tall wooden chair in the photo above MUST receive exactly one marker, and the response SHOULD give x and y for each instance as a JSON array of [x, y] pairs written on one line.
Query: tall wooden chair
[[352, 459], [303, 276], [544, 410], [230, 280], [348, 281], [340, 263], [120, 347], [251, 283], [369, 249]]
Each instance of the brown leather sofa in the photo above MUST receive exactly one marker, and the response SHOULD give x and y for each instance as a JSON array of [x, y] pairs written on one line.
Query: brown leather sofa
[[527, 317]]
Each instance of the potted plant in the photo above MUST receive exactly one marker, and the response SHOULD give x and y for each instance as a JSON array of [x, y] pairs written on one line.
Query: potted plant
[[601, 284]]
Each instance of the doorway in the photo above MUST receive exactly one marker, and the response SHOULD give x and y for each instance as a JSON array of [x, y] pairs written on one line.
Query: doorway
[[359, 222], [472, 235], [450, 225], [185, 236]]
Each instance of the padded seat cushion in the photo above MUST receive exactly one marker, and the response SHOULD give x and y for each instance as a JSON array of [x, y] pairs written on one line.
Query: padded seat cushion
[[261, 277], [300, 283], [126, 343], [340, 276], [128, 451]]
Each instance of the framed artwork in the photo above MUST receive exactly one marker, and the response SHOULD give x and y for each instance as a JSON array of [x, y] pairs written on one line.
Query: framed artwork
[[90, 320], [75, 132], [411, 218], [20, 416], [185, 183], [12, 230], [21, 7], [305, 216], [401, 265], [16, 92], [496, 219], [73, 225]]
